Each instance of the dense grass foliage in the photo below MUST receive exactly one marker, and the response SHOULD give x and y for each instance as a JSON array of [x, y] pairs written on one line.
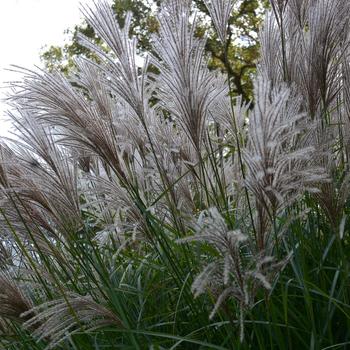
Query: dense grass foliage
[[148, 208]]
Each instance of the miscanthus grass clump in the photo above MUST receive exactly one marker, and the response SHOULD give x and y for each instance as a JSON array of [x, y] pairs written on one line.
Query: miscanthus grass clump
[[150, 208]]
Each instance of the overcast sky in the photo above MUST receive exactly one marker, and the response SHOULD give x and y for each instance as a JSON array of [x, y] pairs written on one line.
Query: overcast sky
[[25, 27]]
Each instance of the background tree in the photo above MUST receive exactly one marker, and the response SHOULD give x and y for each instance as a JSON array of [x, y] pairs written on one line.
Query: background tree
[[242, 51]]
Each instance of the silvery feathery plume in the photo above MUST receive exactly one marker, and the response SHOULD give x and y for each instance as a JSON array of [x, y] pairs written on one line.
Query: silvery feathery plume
[[233, 272], [271, 63], [278, 7], [328, 21], [185, 87], [121, 75], [48, 179], [303, 48], [115, 207], [299, 9], [279, 167], [57, 320], [220, 12], [13, 301], [25, 207], [176, 156], [84, 122], [316, 49], [229, 117], [332, 195]]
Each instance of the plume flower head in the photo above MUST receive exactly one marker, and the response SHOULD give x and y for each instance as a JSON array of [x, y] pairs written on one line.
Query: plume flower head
[[220, 13], [185, 82], [279, 165], [58, 319], [13, 301], [233, 272]]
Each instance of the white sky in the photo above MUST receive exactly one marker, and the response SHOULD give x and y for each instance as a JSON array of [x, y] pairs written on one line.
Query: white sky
[[26, 26]]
